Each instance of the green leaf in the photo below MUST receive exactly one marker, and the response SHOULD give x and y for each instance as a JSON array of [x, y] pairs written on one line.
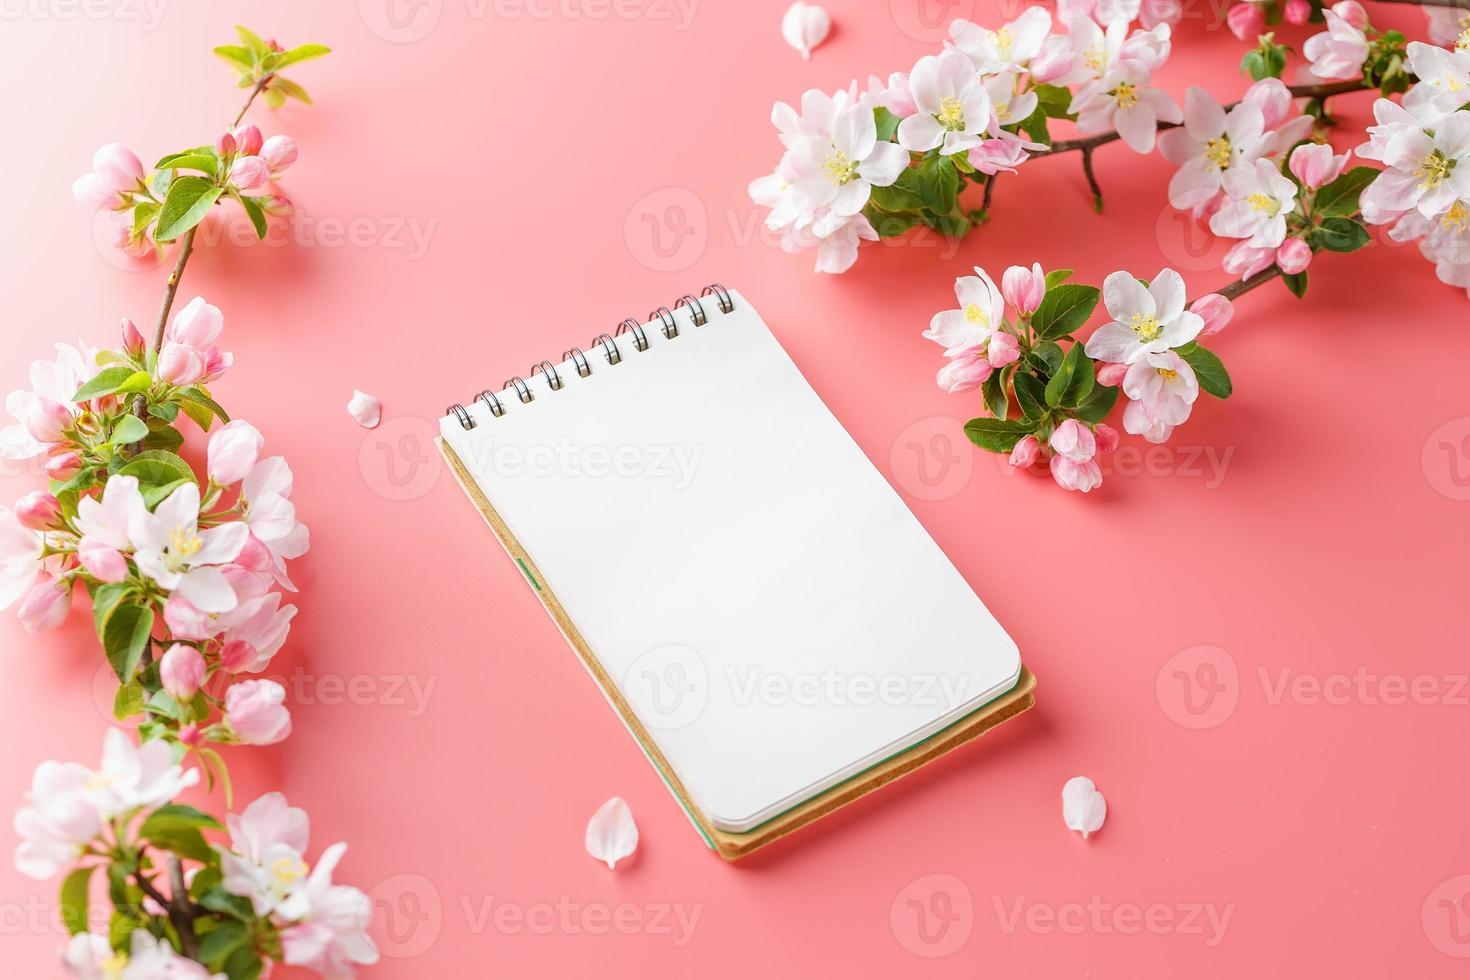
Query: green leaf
[[886, 122], [221, 941], [938, 183], [902, 195], [889, 225], [167, 411], [104, 599], [256, 214], [178, 816], [198, 396], [157, 467], [155, 495], [1054, 100], [1210, 371], [997, 435], [1031, 396], [1339, 199], [1045, 357], [1097, 405], [163, 437], [253, 41], [1083, 378], [282, 86], [1034, 126], [125, 635], [1058, 276], [244, 964], [236, 55], [215, 768], [128, 430], [1057, 387], [74, 899], [994, 393], [189, 200], [1341, 235], [1296, 283], [185, 842], [118, 379], [217, 899], [207, 162], [128, 700], [306, 52], [1064, 309]]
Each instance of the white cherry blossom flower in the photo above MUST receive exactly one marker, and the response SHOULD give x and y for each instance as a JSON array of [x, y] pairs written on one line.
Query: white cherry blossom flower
[[1258, 199], [840, 170], [952, 109], [1145, 320], [1210, 142], [1007, 48], [171, 549]]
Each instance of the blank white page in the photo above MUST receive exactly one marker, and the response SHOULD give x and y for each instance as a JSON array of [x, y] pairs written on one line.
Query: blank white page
[[773, 612]]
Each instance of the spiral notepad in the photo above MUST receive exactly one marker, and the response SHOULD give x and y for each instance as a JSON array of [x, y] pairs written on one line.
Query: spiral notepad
[[762, 610]]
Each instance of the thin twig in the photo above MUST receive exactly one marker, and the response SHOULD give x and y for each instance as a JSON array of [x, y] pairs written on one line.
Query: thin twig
[[1242, 286], [1097, 197], [256, 90], [181, 910], [989, 190], [1461, 4]]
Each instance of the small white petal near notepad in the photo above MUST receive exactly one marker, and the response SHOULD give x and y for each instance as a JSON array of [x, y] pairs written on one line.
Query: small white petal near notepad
[[611, 833], [365, 408], [805, 26], [1083, 807]]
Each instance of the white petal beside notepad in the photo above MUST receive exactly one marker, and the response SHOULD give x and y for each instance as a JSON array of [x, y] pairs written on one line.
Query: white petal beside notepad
[[762, 598]]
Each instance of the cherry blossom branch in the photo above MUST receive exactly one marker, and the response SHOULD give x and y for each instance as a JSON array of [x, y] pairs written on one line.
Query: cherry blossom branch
[[1461, 4], [1242, 286], [180, 909]]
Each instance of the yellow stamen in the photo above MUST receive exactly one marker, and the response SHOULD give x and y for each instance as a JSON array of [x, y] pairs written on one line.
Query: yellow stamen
[[1002, 39], [1166, 374], [286, 871], [974, 314], [1095, 58], [114, 965], [181, 547], [1217, 151], [1462, 43], [951, 114], [1127, 95], [1434, 170], [1146, 326], [1456, 219], [839, 168], [1266, 203]]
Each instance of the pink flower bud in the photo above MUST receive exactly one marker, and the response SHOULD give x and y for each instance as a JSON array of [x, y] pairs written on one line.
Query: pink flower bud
[[179, 364], [1246, 21], [1352, 12], [1298, 11], [46, 604], [233, 450], [279, 152], [225, 146], [1073, 440], [1107, 437], [1003, 350], [1245, 260], [248, 173], [198, 324], [190, 734], [247, 140], [186, 622], [1293, 256], [102, 561], [1215, 310], [132, 339], [216, 362], [255, 556], [255, 712], [181, 671], [1312, 163], [1026, 452], [47, 420], [63, 467], [1055, 59], [1110, 374], [117, 165], [1023, 288], [963, 374], [39, 511], [237, 656], [1071, 474]]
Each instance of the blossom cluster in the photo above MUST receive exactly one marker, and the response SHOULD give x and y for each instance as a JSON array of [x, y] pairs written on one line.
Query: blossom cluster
[[1046, 393], [257, 892], [186, 572], [864, 164]]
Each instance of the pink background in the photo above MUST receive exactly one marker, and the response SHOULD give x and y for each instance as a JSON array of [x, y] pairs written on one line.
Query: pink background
[[538, 154]]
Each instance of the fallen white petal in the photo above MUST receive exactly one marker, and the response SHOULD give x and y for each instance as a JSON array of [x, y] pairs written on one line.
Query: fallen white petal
[[611, 833], [805, 26], [1083, 807], [365, 408]]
